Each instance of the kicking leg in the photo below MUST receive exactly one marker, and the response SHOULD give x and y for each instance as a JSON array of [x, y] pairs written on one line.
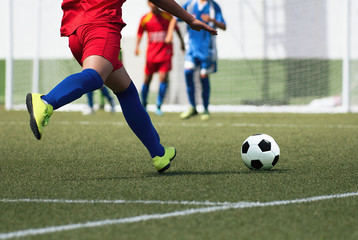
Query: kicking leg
[[138, 119], [40, 107]]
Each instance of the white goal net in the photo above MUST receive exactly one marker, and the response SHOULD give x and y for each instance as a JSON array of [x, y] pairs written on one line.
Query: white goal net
[[276, 55]]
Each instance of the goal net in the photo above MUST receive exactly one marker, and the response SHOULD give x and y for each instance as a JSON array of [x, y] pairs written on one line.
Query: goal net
[[276, 55]]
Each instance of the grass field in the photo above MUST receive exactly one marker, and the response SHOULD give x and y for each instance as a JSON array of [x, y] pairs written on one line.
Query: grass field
[[91, 178]]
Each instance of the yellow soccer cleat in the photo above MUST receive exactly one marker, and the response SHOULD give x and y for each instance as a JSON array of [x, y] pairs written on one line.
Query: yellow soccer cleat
[[40, 113], [205, 115], [163, 163], [189, 113]]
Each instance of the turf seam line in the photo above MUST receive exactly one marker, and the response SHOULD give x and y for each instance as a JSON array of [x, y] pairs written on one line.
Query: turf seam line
[[239, 205]]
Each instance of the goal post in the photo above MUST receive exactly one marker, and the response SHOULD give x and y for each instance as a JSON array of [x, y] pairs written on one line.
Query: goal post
[[36, 58], [275, 55], [9, 60], [346, 73]]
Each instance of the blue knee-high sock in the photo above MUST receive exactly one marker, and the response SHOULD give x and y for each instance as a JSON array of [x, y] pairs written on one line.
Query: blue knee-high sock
[[73, 87], [162, 91], [144, 94], [205, 84], [190, 87], [106, 93], [90, 99], [139, 120]]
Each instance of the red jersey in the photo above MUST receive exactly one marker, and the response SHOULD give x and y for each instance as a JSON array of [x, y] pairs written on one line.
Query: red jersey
[[80, 12], [157, 27]]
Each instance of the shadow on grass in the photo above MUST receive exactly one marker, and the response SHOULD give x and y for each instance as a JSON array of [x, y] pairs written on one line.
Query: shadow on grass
[[210, 173], [187, 173], [207, 173]]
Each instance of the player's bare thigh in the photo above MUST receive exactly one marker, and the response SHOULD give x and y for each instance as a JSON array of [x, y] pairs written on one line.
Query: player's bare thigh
[[100, 64], [118, 80]]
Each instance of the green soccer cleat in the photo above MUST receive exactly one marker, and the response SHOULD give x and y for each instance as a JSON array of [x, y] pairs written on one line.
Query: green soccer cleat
[[205, 115], [163, 163], [189, 113], [40, 113]]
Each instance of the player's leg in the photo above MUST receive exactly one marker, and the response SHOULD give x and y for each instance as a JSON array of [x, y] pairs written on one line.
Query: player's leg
[[107, 95], [163, 86], [136, 116], [70, 89], [101, 101], [90, 99], [138, 119], [189, 71], [164, 69], [150, 69], [205, 84], [145, 89], [75, 85], [90, 109], [205, 94], [120, 83], [95, 69], [40, 107], [207, 67]]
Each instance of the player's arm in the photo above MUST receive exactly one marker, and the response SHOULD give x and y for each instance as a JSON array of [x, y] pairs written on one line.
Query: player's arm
[[217, 20], [182, 44], [173, 8], [170, 31], [137, 51], [139, 37], [207, 18]]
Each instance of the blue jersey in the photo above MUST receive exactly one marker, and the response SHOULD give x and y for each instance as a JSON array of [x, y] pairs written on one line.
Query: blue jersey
[[201, 44]]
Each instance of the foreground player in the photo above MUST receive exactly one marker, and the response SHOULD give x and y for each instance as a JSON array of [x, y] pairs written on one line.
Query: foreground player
[[159, 53], [201, 52], [94, 31]]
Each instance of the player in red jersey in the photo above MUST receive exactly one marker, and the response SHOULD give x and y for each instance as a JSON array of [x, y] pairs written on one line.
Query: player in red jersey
[[159, 52], [94, 32]]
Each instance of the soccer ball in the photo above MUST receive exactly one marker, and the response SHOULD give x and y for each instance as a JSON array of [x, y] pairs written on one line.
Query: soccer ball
[[260, 152]]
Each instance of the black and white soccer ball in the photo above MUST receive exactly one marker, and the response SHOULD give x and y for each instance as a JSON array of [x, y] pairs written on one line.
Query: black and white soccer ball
[[260, 152]]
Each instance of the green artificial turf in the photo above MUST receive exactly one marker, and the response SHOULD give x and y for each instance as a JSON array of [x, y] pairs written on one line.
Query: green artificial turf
[[97, 157]]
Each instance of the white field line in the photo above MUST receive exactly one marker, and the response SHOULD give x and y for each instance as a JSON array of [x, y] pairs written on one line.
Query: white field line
[[184, 124], [117, 201], [141, 218]]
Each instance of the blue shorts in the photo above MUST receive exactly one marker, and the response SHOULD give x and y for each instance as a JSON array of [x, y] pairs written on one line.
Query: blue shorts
[[206, 66]]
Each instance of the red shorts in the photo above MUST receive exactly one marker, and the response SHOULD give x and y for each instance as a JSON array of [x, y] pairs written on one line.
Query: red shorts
[[164, 67], [97, 39]]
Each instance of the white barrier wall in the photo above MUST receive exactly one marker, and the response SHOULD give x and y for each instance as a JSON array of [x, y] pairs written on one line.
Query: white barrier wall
[[256, 28]]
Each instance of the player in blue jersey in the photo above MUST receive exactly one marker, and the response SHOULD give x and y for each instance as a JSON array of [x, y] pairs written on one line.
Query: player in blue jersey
[[201, 52]]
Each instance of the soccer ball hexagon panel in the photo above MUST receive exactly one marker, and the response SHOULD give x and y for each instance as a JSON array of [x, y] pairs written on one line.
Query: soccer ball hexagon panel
[[260, 152]]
